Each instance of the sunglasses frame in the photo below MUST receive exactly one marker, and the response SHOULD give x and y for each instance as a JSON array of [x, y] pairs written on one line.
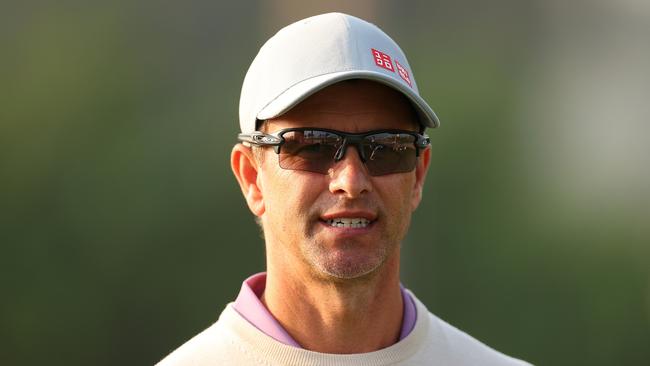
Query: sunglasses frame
[[276, 139]]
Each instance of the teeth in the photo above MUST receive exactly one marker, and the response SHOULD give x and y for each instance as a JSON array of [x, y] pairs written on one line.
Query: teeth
[[348, 222]]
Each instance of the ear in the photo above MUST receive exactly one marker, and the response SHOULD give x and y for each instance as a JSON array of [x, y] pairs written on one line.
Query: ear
[[245, 167], [420, 174]]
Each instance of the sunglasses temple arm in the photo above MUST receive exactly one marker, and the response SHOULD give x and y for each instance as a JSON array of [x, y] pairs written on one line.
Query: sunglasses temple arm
[[259, 138], [246, 139]]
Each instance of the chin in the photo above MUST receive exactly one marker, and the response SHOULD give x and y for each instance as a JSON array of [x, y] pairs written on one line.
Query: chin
[[347, 260], [349, 267]]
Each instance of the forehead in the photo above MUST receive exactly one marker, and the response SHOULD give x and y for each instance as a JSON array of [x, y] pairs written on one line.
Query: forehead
[[352, 106]]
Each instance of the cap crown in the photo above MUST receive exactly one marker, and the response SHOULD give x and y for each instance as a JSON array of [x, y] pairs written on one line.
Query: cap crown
[[312, 53]]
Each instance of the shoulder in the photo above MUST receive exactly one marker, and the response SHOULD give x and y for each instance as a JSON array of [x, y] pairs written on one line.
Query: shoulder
[[456, 347], [211, 346], [463, 349]]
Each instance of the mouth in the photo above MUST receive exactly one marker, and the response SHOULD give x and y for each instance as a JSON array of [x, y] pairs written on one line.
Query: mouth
[[348, 222]]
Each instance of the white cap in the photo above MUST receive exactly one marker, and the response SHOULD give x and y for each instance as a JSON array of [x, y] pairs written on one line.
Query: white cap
[[306, 56]]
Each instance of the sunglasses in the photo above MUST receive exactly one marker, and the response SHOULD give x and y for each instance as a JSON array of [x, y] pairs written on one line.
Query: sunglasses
[[317, 150]]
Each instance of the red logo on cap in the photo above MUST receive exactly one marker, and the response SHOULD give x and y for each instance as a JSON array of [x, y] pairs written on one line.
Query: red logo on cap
[[382, 60], [403, 73]]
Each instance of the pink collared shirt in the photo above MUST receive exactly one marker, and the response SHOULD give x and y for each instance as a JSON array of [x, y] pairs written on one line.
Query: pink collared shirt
[[249, 305]]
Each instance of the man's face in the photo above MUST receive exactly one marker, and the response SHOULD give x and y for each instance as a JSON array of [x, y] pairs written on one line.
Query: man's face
[[299, 206]]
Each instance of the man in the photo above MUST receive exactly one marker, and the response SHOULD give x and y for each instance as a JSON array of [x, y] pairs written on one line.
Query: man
[[332, 162]]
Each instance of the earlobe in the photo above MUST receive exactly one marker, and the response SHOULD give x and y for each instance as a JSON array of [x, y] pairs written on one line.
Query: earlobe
[[420, 175], [245, 167]]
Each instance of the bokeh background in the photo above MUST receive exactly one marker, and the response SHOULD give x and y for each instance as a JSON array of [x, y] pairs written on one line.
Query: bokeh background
[[123, 232]]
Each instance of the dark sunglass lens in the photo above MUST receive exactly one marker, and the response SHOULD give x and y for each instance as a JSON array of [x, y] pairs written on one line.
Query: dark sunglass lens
[[309, 150], [388, 153]]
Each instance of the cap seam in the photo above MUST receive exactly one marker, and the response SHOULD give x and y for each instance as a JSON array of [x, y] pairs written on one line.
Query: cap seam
[[349, 31]]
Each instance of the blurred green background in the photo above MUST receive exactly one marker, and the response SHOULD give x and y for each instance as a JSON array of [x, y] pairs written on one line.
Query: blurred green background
[[123, 232]]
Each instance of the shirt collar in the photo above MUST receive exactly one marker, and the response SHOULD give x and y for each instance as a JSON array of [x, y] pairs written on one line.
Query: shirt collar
[[249, 305]]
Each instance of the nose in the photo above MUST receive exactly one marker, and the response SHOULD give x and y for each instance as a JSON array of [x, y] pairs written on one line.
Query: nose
[[349, 175]]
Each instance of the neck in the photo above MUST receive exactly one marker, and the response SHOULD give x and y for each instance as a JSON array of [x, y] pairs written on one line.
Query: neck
[[333, 315]]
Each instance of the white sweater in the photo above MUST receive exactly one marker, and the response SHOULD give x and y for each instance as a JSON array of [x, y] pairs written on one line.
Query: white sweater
[[232, 340]]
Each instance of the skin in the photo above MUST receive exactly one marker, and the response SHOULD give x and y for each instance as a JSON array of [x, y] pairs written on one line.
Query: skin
[[335, 290]]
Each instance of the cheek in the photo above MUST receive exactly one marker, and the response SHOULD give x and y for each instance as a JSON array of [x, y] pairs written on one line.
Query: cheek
[[397, 195], [275, 190], [289, 195]]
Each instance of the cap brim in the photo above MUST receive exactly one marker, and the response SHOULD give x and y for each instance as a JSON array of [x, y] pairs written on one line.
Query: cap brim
[[300, 91]]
